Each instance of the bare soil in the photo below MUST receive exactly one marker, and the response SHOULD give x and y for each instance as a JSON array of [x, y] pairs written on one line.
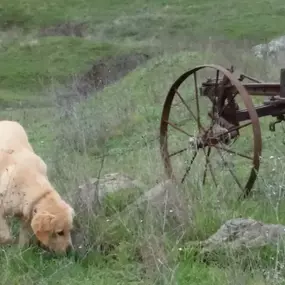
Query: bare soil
[[107, 71], [65, 29]]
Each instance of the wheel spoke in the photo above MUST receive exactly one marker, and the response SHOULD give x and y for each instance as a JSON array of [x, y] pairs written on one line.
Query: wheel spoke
[[235, 128], [217, 76], [177, 128], [231, 129], [233, 152], [206, 164], [210, 166], [181, 123], [240, 127], [178, 103], [178, 152], [189, 166], [217, 80], [188, 108], [230, 170], [197, 102], [224, 107], [214, 101]]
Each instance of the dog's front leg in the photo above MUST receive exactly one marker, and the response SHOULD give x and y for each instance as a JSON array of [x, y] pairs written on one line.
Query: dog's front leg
[[24, 235], [5, 234]]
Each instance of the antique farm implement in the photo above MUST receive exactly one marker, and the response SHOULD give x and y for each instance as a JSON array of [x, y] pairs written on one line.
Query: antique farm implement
[[215, 123]]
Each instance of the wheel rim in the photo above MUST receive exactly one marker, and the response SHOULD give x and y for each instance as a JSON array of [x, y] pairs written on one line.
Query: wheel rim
[[256, 131]]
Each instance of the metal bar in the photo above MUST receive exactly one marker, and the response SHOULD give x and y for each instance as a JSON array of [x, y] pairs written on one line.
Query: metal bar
[[249, 84], [262, 111], [255, 89], [242, 76], [262, 89]]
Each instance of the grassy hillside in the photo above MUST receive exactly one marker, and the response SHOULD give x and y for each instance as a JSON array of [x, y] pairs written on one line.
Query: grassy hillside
[[144, 20], [35, 48], [122, 122]]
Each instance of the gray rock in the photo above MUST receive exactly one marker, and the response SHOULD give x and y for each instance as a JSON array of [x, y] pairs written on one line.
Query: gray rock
[[90, 196], [88, 202], [274, 48], [244, 233], [162, 203]]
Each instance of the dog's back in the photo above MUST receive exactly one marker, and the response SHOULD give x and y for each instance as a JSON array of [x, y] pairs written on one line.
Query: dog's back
[[13, 137], [16, 149], [20, 166]]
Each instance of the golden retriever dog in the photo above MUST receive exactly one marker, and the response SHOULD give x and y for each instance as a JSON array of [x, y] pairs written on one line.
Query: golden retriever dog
[[25, 192]]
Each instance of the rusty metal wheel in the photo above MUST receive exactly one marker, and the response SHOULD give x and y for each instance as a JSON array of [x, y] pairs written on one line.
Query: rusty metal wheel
[[203, 124]]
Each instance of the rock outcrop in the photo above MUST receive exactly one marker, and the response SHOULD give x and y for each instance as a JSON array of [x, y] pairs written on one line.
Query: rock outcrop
[[273, 49], [241, 233]]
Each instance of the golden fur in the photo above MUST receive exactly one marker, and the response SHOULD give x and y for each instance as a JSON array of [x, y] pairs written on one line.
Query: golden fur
[[25, 192]]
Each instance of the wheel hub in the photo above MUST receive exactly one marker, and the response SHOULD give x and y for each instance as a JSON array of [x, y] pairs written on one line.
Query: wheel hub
[[211, 137]]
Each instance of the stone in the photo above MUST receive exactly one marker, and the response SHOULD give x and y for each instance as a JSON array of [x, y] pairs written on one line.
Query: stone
[[90, 195], [273, 49], [164, 202], [244, 233], [89, 201]]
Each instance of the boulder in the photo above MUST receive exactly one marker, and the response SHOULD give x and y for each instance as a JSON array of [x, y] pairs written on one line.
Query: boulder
[[165, 199], [273, 49], [90, 195], [242, 233], [90, 202]]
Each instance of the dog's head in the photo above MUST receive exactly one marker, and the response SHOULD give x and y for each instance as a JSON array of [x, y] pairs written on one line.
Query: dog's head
[[53, 226]]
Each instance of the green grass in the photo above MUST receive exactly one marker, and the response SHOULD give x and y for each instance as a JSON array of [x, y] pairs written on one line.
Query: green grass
[[122, 122], [30, 67], [31, 63], [160, 18]]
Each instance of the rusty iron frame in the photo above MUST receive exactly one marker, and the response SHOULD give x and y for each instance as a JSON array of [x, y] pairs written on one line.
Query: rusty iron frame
[[274, 105]]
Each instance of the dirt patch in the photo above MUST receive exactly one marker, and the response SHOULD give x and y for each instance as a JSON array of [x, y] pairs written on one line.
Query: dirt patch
[[65, 29], [108, 70], [101, 74]]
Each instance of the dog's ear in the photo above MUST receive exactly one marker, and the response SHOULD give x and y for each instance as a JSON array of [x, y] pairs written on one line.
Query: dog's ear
[[70, 208], [42, 225], [72, 212]]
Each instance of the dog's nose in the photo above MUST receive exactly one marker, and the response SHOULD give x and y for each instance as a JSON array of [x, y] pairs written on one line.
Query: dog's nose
[[69, 249]]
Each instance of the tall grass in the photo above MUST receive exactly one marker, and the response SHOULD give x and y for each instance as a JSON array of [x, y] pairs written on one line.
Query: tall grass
[[149, 244], [117, 130]]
